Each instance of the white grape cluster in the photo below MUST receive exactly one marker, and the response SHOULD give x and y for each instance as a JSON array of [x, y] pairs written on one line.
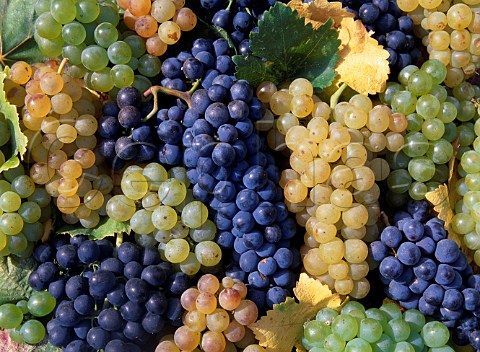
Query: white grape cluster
[[451, 32], [159, 205]]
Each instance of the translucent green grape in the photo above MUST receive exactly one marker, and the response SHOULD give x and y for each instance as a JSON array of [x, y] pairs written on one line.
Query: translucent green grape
[[405, 74], [466, 134], [194, 214], [32, 331], [141, 222], [94, 58], [370, 330], [73, 53], [108, 13], [391, 89], [47, 27], [315, 331], [345, 327], [141, 83], [49, 47], [30, 212], [470, 162], [436, 70], [149, 65], [102, 80], [24, 186], [208, 253], [10, 201], [435, 334], [40, 196], [433, 129], [398, 329], [334, 343], [392, 311], [384, 344], [17, 244], [105, 34], [10, 316], [63, 11], [87, 11], [417, 190], [403, 346], [206, 232], [419, 83], [450, 133], [33, 232], [119, 53], [137, 44], [74, 33], [11, 223], [421, 169], [416, 144], [42, 6], [440, 152], [439, 92], [41, 303], [326, 315], [428, 106], [404, 102], [467, 111], [358, 345], [164, 218], [464, 91], [172, 192]]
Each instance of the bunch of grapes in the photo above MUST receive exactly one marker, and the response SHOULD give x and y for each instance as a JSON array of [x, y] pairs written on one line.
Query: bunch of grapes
[[160, 22], [451, 33], [384, 329], [58, 119], [106, 300], [168, 213], [436, 119], [331, 186], [216, 319]]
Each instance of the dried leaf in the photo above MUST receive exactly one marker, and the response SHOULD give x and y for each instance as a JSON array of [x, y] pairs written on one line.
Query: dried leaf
[[363, 62], [282, 328], [319, 11]]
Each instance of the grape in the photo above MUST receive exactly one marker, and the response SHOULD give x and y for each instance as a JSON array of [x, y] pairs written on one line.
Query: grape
[[10, 316]]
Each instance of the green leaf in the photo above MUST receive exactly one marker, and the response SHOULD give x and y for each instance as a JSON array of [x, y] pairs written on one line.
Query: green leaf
[[16, 31], [285, 48], [107, 227], [14, 273], [18, 140]]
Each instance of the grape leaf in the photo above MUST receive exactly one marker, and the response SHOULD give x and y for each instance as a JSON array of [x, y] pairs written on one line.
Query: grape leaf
[[106, 228], [16, 32], [319, 11], [14, 273], [282, 328], [285, 47], [18, 140]]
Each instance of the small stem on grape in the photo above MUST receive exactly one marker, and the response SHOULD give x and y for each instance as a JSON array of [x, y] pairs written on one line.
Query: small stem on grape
[[385, 218], [335, 96], [118, 240], [62, 66], [229, 5], [185, 96], [194, 87]]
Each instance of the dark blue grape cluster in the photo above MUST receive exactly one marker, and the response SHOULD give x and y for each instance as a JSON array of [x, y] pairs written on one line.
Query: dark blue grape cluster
[[105, 301], [391, 29], [125, 134], [238, 17], [423, 269], [230, 169]]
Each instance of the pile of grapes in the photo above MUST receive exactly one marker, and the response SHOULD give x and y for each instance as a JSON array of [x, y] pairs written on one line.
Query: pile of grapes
[[153, 199]]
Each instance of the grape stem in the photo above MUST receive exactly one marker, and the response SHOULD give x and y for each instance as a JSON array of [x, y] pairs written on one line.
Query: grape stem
[[185, 96], [229, 5], [118, 240], [62, 65], [335, 96]]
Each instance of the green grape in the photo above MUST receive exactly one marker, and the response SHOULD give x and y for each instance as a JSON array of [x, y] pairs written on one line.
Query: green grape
[[180, 173], [134, 185], [466, 134], [312, 346], [42, 6], [74, 33], [398, 329], [476, 127], [326, 315], [40, 196], [435, 334], [3, 241], [141, 222], [467, 111], [419, 83], [17, 244], [391, 310], [122, 75], [46, 26], [384, 344], [149, 65], [10, 201], [141, 83], [334, 343], [136, 44], [87, 11], [41, 303], [472, 181], [108, 13], [463, 223], [404, 102], [440, 152], [454, 101], [119, 53], [155, 174], [32, 331], [102, 80], [405, 74], [22, 304], [63, 11], [403, 346], [89, 31], [194, 214], [208, 253], [432, 186], [73, 53], [345, 327], [417, 190], [450, 133], [2, 158], [179, 230], [172, 192], [120, 208], [94, 58], [416, 144], [105, 34], [133, 63], [177, 250], [464, 91], [13, 173], [351, 306], [476, 144], [16, 336], [4, 132], [462, 190], [358, 345], [23, 186], [441, 349], [421, 169], [11, 223], [164, 218], [49, 47], [191, 265], [10, 316], [397, 160], [439, 92], [441, 173], [33, 232], [415, 319], [414, 122], [433, 129], [206, 232], [447, 113], [315, 331], [472, 240], [77, 71], [470, 162], [370, 330], [428, 106], [390, 90], [30, 212], [416, 341], [436, 70]]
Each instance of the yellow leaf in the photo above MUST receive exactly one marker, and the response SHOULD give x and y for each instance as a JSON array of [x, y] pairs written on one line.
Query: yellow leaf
[[282, 328], [363, 62], [319, 11]]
